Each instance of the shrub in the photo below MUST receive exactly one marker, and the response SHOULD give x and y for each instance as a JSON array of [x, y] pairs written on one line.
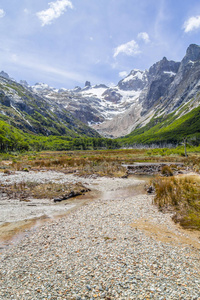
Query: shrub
[[180, 195]]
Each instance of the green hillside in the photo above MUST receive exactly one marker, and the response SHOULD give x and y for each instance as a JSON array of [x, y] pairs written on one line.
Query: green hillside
[[167, 128], [13, 139], [31, 113]]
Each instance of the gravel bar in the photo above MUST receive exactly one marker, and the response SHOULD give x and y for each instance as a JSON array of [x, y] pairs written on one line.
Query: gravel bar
[[101, 251]]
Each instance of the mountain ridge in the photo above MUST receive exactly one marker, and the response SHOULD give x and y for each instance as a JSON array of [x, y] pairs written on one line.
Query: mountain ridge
[[140, 99]]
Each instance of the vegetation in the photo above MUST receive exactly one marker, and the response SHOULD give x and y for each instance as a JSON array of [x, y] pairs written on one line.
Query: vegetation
[[89, 162], [182, 196], [167, 129], [13, 139], [179, 194], [24, 191]]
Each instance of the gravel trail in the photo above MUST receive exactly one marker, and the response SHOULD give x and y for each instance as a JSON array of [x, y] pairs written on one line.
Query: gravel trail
[[118, 246]]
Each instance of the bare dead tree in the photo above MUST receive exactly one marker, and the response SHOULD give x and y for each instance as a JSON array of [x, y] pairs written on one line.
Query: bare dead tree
[[185, 142]]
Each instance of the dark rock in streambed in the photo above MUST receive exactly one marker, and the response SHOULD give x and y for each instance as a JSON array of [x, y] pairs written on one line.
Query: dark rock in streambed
[[72, 194], [150, 189]]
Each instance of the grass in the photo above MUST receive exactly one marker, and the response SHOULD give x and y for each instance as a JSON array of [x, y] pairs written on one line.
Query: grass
[[181, 195], [88, 162]]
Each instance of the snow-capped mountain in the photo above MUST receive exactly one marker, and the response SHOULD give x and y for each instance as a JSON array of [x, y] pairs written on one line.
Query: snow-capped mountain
[[116, 111], [95, 105], [167, 87]]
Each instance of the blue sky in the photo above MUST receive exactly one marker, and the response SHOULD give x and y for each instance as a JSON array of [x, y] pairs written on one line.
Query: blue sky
[[66, 42]]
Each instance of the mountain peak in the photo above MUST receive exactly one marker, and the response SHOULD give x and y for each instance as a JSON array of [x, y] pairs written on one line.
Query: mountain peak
[[192, 53], [164, 65], [4, 74], [164, 59]]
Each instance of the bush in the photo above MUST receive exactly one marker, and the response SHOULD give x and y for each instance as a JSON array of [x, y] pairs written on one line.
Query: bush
[[182, 196]]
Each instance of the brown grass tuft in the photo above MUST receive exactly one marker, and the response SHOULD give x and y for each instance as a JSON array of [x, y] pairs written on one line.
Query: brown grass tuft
[[181, 195]]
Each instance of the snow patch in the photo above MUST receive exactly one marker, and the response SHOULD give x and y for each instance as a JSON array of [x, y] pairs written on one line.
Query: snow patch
[[170, 73], [135, 76], [94, 92]]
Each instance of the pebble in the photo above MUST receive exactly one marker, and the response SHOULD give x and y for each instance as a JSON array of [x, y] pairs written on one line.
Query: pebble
[[95, 253]]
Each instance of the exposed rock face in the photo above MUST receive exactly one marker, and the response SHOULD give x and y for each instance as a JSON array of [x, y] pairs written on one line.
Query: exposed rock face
[[160, 76], [136, 80], [4, 74], [192, 54], [112, 96], [186, 84], [24, 83], [87, 84]]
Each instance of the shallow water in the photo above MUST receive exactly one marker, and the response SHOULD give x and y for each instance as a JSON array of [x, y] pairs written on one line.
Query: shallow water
[[21, 221], [19, 218]]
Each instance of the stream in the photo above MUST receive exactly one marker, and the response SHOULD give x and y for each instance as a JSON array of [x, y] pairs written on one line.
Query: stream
[[19, 218]]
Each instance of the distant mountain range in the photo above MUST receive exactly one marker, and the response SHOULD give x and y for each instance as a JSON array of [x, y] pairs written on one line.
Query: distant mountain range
[[34, 114], [158, 102]]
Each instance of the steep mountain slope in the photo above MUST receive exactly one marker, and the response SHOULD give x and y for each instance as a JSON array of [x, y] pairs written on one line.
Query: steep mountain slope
[[30, 112], [153, 83], [171, 87], [168, 129], [176, 113]]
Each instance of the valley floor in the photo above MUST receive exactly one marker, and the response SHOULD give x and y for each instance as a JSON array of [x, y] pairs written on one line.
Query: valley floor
[[117, 246]]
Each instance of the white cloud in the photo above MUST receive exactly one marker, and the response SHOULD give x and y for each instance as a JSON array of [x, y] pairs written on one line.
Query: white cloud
[[192, 24], [131, 48], [2, 13], [144, 36], [123, 74], [56, 9]]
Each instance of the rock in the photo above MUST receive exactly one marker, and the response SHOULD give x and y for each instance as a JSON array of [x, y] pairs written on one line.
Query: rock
[[87, 84], [150, 189]]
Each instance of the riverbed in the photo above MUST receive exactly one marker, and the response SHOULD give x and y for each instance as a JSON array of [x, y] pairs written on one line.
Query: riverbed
[[117, 245]]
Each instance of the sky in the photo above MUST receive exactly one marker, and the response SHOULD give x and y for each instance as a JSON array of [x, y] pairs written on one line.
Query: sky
[[65, 43]]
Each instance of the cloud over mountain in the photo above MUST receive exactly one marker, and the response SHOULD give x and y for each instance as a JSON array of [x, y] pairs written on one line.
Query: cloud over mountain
[[131, 48], [192, 24]]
